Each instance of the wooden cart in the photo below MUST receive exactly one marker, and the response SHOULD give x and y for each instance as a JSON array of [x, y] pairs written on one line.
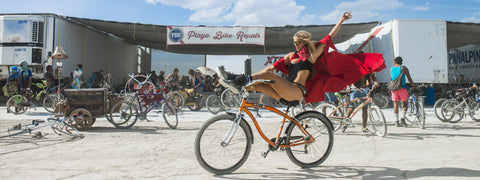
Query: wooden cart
[[84, 105]]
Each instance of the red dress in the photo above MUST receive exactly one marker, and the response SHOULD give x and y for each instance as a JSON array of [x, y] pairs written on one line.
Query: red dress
[[333, 71]]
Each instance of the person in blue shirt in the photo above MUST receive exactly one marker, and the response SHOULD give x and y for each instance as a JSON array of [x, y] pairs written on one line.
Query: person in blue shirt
[[13, 82], [25, 76], [401, 94]]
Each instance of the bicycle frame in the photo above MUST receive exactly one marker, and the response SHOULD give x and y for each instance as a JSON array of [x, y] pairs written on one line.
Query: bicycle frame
[[244, 108], [156, 102], [367, 101]]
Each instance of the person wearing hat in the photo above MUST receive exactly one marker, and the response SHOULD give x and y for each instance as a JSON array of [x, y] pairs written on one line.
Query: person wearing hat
[[12, 84], [25, 76]]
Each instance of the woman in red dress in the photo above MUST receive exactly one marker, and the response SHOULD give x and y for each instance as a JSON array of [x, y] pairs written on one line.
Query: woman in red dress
[[309, 75]]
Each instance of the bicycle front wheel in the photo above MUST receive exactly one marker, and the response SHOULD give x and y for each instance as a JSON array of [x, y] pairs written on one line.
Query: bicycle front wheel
[[452, 111], [377, 121], [475, 111], [123, 114], [214, 104], [220, 157], [438, 110], [229, 98], [312, 153], [169, 112], [194, 103], [17, 104], [63, 127]]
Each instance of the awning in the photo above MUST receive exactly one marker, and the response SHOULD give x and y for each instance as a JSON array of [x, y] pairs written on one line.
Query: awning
[[278, 39]]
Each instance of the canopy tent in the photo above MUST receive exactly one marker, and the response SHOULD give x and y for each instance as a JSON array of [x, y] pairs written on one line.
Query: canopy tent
[[278, 40]]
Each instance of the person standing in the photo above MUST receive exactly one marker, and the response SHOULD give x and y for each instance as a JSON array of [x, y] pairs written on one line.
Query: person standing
[[173, 80], [48, 76], [359, 90], [402, 93], [77, 77], [25, 76], [197, 80]]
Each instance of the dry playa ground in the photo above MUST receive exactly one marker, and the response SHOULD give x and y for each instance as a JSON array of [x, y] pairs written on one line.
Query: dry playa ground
[[151, 150]]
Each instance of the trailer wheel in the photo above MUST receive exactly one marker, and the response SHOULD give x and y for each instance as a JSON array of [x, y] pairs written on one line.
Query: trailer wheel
[[81, 119]]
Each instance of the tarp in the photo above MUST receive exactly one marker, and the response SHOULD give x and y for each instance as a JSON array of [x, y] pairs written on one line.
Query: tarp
[[278, 40]]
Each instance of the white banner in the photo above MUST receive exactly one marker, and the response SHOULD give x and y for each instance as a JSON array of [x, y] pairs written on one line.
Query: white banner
[[190, 35]]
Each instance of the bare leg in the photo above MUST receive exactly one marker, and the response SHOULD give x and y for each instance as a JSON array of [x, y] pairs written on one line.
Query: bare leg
[[282, 87]]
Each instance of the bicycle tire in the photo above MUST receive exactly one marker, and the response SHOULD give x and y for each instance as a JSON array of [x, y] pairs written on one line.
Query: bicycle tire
[[377, 121], [214, 104], [63, 127], [229, 98], [475, 111], [132, 86], [176, 98], [194, 102], [212, 154], [297, 109], [328, 109], [437, 109], [421, 115], [451, 109], [49, 102], [17, 104], [169, 112], [313, 153], [123, 114], [380, 100]]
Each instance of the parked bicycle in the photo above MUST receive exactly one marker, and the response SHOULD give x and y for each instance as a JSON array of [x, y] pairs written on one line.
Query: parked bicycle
[[124, 114], [224, 141], [467, 102], [19, 103], [336, 114], [415, 112], [223, 102], [59, 126]]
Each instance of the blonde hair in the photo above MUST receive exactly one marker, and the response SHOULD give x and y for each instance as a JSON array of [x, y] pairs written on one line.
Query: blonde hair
[[306, 36]]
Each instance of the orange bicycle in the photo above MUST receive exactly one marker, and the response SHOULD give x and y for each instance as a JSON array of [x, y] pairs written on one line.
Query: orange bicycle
[[224, 141]]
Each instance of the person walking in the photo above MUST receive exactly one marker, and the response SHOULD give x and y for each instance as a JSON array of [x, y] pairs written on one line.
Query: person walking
[[401, 94]]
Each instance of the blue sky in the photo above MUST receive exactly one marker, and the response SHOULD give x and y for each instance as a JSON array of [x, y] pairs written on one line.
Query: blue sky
[[247, 12]]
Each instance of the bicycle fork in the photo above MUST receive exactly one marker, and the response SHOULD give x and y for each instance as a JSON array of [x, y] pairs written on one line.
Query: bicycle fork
[[231, 132]]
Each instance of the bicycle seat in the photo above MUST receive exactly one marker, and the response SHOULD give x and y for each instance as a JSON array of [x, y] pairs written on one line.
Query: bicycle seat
[[290, 103]]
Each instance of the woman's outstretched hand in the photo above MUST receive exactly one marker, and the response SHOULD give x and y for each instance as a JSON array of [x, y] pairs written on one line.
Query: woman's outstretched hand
[[346, 15]]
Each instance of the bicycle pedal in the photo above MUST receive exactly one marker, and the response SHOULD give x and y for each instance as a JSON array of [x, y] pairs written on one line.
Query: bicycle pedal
[[264, 154]]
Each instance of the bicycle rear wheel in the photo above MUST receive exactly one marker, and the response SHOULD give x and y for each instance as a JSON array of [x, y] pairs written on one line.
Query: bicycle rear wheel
[[229, 98], [315, 152], [194, 103], [176, 99], [17, 104], [49, 102], [415, 116], [214, 104], [335, 116], [380, 100], [123, 114], [475, 111], [377, 121], [169, 112], [218, 157]]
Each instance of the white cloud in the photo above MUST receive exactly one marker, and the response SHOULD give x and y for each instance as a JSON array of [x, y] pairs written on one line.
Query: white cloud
[[422, 8], [471, 20], [362, 10], [241, 12]]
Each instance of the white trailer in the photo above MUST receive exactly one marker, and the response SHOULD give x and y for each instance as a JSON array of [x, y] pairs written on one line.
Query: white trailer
[[421, 43], [33, 38]]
